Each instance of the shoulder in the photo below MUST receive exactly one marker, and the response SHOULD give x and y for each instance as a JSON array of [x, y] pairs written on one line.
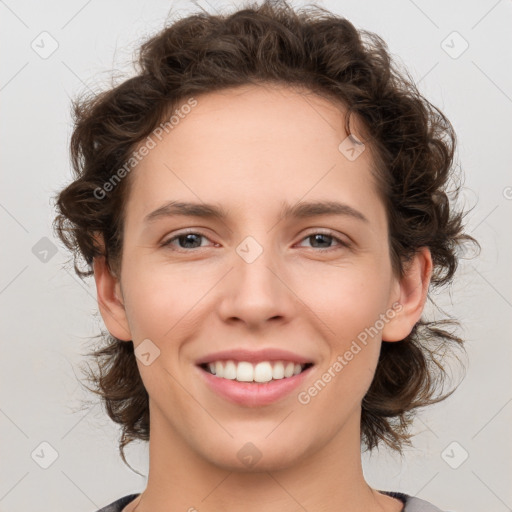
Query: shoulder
[[118, 505], [413, 504]]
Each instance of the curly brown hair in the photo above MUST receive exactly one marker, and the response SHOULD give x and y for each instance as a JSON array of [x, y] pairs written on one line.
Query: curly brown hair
[[411, 141]]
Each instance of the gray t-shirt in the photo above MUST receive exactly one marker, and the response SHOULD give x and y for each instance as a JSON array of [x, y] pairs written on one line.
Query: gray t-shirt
[[411, 503]]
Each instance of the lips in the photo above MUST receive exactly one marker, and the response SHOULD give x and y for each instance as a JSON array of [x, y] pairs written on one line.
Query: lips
[[253, 394], [254, 378], [268, 354]]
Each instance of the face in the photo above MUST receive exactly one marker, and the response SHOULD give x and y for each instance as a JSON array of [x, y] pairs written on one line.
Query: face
[[298, 288]]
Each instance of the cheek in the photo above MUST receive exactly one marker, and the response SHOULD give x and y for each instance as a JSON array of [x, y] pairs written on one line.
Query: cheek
[[157, 299], [348, 300], [344, 298], [350, 304]]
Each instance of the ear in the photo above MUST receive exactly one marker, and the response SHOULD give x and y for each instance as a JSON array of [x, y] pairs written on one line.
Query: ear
[[110, 300], [411, 295]]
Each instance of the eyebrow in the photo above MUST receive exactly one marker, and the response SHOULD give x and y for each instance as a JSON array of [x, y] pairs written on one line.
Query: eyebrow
[[300, 210]]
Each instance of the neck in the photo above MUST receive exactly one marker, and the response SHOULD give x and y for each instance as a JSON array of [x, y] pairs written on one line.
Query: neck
[[328, 479]]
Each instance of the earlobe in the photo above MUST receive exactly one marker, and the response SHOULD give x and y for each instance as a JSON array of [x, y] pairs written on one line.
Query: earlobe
[[413, 289], [110, 300]]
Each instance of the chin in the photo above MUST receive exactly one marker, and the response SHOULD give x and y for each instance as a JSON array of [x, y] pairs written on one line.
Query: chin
[[254, 457]]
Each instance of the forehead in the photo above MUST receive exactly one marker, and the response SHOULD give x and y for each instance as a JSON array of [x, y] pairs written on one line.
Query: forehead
[[253, 147]]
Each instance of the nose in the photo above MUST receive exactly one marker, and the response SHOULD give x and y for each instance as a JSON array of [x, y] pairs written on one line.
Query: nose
[[257, 289]]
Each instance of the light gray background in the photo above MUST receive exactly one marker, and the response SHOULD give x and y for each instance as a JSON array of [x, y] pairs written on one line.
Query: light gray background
[[48, 314]]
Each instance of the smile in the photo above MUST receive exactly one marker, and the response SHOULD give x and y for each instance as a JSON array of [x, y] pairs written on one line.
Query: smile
[[264, 371], [254, 385]]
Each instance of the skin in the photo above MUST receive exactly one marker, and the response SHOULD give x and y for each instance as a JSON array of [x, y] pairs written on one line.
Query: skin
[[249, 149]]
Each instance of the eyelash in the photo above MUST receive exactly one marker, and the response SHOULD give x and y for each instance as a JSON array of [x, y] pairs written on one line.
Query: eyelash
[[330, 234]]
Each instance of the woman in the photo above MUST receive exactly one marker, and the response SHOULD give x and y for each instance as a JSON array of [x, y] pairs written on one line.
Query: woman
[[264, 209]]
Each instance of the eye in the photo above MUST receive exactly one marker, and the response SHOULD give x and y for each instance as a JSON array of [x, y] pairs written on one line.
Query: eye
[[185, 240], [323, 238], [192, 240]]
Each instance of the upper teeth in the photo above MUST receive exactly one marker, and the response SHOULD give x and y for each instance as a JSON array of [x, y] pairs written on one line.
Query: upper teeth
[[264, 371]]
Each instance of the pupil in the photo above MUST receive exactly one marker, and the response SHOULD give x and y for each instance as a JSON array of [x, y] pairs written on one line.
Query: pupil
[[318, 237], [186, 237]]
